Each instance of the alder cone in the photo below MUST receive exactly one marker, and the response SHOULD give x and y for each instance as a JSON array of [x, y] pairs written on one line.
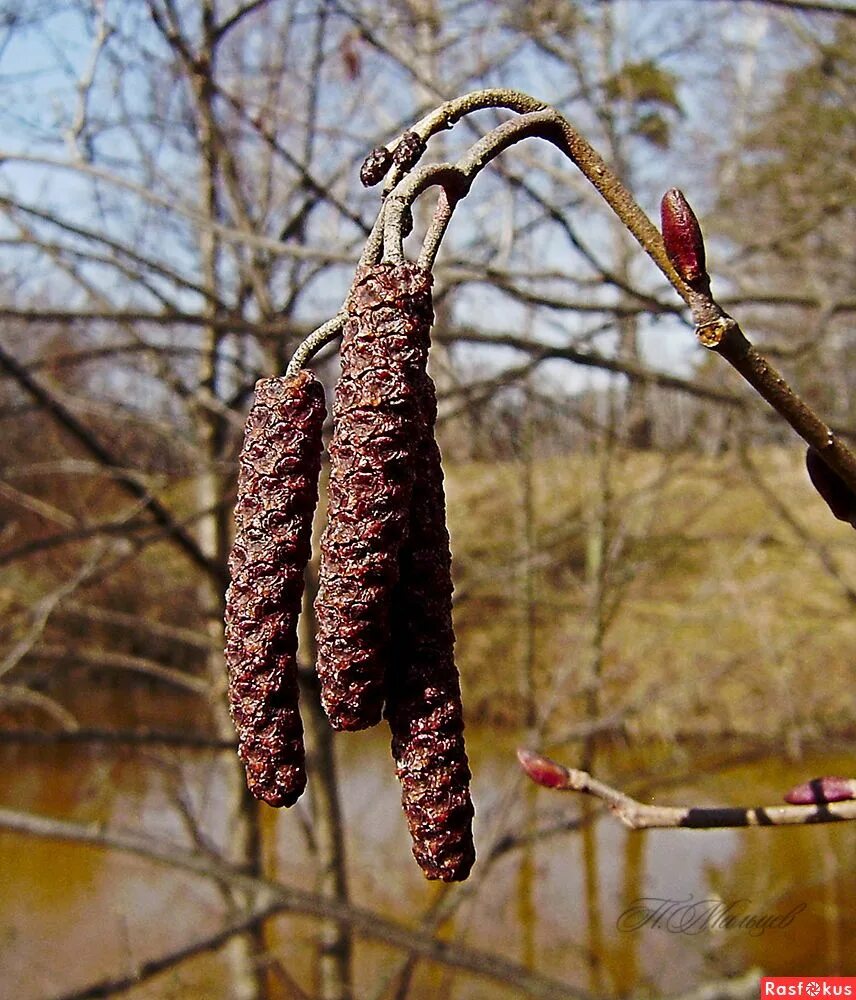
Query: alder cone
[[376, 423], [409, 150], [375, 166], [278, 474], [423, 692]]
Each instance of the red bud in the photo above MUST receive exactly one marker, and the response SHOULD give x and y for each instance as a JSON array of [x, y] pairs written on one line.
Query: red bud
[[683, 239], [542, 770], [820, 790]]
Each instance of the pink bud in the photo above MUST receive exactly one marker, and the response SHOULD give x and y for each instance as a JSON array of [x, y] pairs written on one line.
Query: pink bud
[[542, 770], [682, 238], [820, 790]]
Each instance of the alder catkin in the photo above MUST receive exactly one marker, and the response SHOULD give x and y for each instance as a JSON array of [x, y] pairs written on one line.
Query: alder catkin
[[423, 688], [278, 474], [375, 431], [423, 694]]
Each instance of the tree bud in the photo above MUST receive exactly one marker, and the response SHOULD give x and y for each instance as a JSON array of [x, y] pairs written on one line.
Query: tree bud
[[820, 790], [682, 238], [542, 770]]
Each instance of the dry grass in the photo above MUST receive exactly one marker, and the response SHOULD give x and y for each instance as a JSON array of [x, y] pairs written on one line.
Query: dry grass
[[721, 615]]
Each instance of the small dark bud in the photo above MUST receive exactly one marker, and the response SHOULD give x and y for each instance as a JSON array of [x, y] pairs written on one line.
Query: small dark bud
[[410, 148], [375, 166], [683, 239], [838, 496], [406, 221], [820, 790]]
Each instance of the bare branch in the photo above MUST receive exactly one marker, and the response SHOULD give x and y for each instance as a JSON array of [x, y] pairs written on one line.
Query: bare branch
[[639, 816], [287, 900], [35, 699], [128, 482], [807, 6], [41, 612], [719, 332], [63, 655], [113, 737]]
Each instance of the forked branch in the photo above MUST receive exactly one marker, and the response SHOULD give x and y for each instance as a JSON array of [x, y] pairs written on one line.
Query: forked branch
[[678, 252]]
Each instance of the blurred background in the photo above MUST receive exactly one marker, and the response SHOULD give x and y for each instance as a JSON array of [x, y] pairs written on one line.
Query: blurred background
[[646, 584]]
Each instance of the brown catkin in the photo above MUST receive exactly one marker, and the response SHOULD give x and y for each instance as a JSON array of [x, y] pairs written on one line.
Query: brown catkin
[[375, 431], [423, 688], [278, 474]]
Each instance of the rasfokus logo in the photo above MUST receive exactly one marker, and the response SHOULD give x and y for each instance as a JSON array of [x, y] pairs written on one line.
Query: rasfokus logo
[[812, 987]]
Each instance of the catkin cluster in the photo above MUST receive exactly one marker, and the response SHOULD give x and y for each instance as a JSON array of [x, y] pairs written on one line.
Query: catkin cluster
[[384, 605]]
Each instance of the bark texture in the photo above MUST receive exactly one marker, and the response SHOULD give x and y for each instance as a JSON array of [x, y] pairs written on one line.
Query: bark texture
[[278, 474], [376, 428]]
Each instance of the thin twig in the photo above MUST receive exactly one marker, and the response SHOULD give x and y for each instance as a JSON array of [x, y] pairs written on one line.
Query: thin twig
[[639, 816], [127, 480], [545, 123], [719, 332], [115, 738], [23, 695], [314, 342]]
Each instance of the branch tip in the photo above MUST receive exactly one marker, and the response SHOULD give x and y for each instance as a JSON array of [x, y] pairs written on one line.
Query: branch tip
[[542, 770]]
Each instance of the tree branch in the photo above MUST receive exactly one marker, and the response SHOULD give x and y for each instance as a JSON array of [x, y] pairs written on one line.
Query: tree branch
[[287, 900], [639, 816], [129, 483]]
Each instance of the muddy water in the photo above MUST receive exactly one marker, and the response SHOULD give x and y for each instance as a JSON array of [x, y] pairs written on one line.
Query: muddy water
[[568, 904]]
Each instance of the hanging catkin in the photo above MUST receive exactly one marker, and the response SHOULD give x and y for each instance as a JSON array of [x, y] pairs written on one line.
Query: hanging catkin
[[375, 431], [277, 494], [423, 688]]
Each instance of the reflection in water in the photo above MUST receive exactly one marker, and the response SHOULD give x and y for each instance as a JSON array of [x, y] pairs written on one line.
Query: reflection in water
[[527, 914], [71, 914], [593, 915], [625, 971]]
